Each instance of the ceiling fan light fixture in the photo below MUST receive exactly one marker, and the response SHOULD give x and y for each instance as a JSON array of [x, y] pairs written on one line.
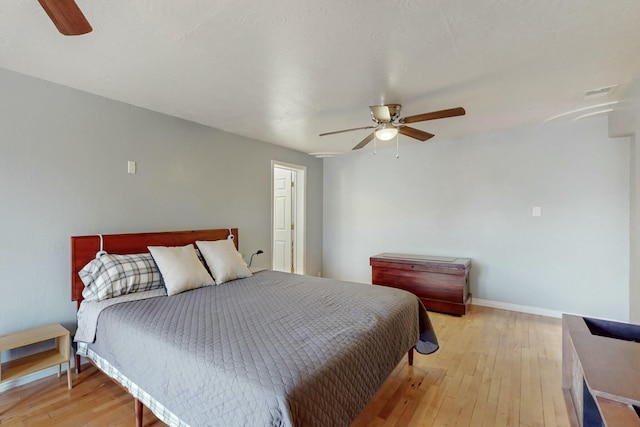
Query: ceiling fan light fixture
[[386, 132]]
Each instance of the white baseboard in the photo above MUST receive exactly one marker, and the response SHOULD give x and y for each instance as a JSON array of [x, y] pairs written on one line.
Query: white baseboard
[[515, 307]]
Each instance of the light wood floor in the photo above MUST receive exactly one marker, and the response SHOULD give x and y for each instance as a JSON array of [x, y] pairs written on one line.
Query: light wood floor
[[494, 368]]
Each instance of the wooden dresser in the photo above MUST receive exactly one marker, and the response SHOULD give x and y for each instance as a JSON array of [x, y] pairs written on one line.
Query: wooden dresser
[[600, 360], [441, 283]]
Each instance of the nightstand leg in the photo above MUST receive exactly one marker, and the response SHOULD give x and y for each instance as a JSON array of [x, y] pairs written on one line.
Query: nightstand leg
[[138, 412], [59, 370], [69, 374]]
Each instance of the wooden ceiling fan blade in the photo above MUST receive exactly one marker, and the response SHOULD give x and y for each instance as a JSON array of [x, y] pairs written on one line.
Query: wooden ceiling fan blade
[[415, 133], [364, 142], [66, 16], [442, 114], [346, 130]]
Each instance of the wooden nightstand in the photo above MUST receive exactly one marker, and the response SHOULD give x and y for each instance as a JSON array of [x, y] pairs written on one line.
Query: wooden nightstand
[[36, 362]]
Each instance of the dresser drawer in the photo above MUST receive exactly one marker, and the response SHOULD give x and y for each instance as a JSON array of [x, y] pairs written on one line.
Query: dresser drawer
[[422, 283]]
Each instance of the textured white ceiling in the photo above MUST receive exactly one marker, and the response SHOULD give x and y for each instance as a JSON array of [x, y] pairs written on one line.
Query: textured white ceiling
[[283, 71]]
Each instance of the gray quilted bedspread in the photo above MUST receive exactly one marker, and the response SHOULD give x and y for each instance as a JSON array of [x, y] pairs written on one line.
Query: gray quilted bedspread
[[274, 349]]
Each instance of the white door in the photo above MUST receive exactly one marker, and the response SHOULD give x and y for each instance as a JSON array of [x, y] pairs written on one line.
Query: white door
[[282, 220]]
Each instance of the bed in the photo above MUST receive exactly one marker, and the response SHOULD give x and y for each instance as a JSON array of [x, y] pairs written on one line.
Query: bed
[[271, 349]]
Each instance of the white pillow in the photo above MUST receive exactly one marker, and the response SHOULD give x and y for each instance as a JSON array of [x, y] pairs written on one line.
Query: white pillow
[[223, 260], [180, 268]]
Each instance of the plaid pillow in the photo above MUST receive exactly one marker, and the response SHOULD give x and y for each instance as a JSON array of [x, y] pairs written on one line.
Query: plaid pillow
[[112, 275]]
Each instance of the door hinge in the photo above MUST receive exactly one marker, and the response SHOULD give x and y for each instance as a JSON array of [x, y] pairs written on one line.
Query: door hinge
[[293, 184], [293, 270], [293, 227]]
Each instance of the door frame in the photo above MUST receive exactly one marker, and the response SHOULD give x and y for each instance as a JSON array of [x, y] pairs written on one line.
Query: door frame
[[300, 252]]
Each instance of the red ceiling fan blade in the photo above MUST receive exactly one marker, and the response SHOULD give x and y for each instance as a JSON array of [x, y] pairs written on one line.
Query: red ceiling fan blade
[[452, 112], [67, 17], [415, 133]]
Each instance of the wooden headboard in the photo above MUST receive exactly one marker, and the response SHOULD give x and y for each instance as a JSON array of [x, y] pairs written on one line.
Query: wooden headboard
[[84, 248]]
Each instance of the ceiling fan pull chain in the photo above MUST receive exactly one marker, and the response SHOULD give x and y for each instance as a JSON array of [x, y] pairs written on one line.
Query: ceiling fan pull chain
[[397, 147], [374, 145]]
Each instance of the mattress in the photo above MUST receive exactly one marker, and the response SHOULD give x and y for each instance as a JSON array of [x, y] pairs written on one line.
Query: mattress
[[274, 349]]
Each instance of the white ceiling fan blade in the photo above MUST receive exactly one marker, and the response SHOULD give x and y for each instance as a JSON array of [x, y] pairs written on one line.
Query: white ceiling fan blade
[[364, 142], [346, 130], [381, 113]]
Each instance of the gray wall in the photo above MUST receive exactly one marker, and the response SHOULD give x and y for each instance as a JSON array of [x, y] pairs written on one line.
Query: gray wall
[[63, 172], [634, 232], [473, 197], [626, 121]]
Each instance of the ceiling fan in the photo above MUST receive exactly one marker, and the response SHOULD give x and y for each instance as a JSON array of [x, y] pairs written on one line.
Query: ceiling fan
[[388, 123], [66, 16]]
